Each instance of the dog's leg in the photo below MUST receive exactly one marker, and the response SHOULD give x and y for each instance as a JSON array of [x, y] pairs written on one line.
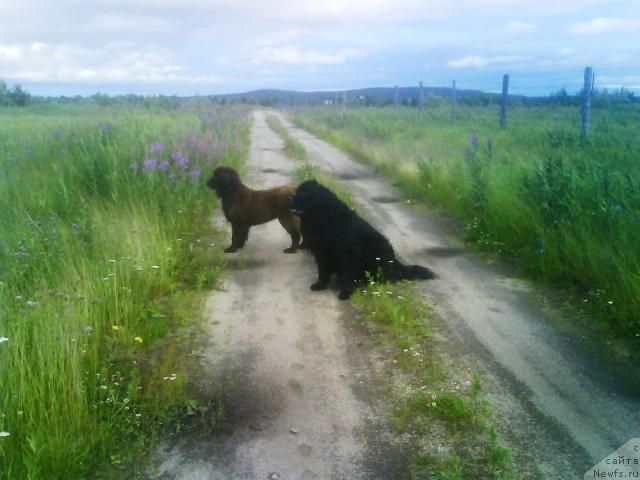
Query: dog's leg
[[295, 243], [324, 274], [239, 235], [292, 226], [347, 280]]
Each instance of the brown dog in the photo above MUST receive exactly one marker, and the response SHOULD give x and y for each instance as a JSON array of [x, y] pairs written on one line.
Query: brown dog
[[244, 207]]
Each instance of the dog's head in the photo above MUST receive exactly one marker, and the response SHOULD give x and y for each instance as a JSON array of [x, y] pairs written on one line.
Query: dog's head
[[225, 180], [310, 198]]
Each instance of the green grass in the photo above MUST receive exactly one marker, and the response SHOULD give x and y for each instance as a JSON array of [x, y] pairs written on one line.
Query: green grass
[[428, 405], [292, 147], [566, 209], [101, 262]]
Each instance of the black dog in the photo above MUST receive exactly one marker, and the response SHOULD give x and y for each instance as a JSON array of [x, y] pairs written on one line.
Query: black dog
[[344, 243]]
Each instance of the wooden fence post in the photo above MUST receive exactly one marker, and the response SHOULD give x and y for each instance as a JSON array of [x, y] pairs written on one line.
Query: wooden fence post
[[503, 104], [395, 99], [453, 102], [421, 98], [586, 100]]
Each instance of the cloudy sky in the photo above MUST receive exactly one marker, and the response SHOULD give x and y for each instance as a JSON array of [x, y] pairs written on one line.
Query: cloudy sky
[[184, 47]]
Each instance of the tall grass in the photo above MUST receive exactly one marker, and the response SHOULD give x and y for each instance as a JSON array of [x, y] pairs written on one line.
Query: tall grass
[[566, 208], [102, 217], [292, 147]]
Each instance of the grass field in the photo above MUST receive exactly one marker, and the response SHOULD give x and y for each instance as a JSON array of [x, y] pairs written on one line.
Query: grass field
[[566, 209], [104, 245]]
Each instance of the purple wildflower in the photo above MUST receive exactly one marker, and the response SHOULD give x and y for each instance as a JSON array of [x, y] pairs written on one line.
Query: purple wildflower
[[134, 166], [163, 165], [57, 133], [180, 159], [194, 173], [149, 163], [156, 147], [29, 151], [74, 226], [105, 127], [473, 139]]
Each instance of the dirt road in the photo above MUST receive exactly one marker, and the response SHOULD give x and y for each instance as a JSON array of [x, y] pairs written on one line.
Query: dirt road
[[283, 355], [280, 354]]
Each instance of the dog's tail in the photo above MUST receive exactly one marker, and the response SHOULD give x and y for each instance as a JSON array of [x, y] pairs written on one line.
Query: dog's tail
[[416, 272]]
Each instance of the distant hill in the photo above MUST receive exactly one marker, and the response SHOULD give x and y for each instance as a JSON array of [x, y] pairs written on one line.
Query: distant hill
[[372, 92], [373, 96]]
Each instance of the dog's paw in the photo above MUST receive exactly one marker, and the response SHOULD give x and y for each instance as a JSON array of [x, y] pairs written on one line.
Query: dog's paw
[[290, 250], [318, 286], [344, 295], [231, 249]]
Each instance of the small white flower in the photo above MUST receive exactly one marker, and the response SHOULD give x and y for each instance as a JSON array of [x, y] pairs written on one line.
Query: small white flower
[[155, 267], [19, 298], [4, 434], [610, 302], [113, 260], [378, 259], [105, 279], [139, 268], [4, 339]]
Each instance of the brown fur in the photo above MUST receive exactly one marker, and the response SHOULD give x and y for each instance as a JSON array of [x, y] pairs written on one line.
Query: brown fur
[[244, 207]]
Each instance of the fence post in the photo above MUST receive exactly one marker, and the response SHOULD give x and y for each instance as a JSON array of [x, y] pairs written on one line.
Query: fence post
[[453, 102], [586, 100], [395, 99], [505, 97], [421, 98]]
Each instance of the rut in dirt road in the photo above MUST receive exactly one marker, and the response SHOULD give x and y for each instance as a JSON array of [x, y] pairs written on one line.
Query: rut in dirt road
[[278, 352], [577, 412]]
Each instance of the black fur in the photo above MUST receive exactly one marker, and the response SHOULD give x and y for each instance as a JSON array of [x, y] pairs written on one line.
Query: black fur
[[345, 244]]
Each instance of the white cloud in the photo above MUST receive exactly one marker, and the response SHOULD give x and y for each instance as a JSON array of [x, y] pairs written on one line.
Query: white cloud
[[565, 51], [41, 61], [603, 25], [479, 61], [518, 27], [295, 55]]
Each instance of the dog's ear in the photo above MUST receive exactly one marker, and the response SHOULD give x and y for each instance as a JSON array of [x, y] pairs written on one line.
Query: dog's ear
[[227, 175]]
